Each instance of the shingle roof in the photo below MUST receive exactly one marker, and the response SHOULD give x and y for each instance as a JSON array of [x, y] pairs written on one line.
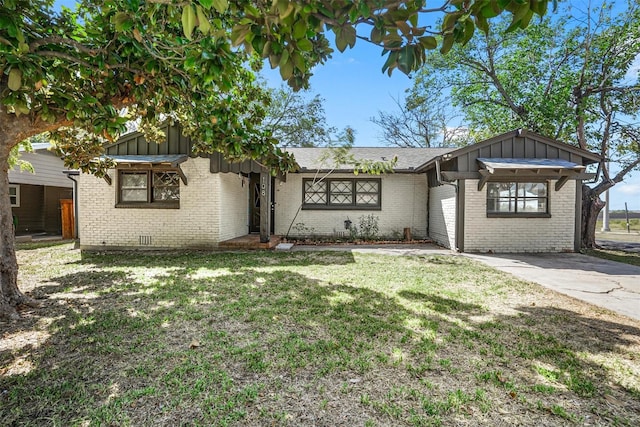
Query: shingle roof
[[408, 158]]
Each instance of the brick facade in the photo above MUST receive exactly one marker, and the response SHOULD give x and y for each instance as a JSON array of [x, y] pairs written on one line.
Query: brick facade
[[442, 215], [403, 200], [213, 207], [554, 234]]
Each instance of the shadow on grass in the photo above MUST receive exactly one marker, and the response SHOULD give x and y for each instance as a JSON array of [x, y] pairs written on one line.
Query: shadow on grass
[[215, 259], [218, 339]]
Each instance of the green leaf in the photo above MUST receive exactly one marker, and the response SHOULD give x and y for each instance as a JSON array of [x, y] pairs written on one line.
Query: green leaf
[[188, 20], [524, 23], [469, 29], [376, 35], [274, 60], [519, 13], [405, 59], [206, 3], [299, 29], [220, 5], [285, 7], [447, 43], [304, 45], [203, 23], [402, 26], [15, 79], [122, 21], [482, 23], [428, 42], [238, 34]]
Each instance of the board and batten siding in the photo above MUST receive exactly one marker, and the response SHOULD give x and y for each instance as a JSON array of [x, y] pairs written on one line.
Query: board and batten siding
[[554, 234], [197, 224], [509, 146], [442, 215], [47, 170], [404, 205]]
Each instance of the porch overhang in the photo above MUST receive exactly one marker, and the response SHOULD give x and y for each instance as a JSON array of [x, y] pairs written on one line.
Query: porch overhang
[[512, 168], [149, 161]]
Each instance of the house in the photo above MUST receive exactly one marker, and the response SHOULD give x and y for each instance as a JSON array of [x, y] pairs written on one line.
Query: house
[[517, 192], [38, 198]]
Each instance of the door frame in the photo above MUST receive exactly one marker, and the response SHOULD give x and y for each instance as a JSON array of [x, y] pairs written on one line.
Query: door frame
[[254, 203]]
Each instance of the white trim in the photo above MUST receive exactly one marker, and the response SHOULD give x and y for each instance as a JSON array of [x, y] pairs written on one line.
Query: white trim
[[14, 196]]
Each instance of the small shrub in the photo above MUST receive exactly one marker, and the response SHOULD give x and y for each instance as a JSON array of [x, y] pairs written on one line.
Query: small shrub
[[368, 226], [302, 230]]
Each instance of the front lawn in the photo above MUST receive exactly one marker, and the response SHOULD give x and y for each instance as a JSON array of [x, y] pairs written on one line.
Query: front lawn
[[306, 339]]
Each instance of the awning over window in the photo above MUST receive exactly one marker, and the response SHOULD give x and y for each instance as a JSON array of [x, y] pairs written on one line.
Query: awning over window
[[150, 161], [510, 168]]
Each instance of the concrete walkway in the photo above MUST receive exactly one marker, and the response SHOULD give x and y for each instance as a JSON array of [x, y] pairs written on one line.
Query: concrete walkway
[[608, 284]]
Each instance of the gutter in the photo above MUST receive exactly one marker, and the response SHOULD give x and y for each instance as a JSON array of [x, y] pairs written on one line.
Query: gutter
[[71, 174], [439, 175]]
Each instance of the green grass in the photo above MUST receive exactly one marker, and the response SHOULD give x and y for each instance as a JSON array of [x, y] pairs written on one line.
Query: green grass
[[632, 258], [305, 338], [621, 224]]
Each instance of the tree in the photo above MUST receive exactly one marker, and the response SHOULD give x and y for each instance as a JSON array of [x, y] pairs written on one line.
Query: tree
[[64, 71], [421, 122], [296, 121], [568, 77]]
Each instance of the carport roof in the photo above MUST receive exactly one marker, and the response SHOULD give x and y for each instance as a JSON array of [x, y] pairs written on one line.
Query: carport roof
[[497, 164]]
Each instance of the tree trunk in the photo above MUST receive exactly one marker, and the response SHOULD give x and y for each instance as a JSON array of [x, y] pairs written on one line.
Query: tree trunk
[[10, 295], [591, 207]]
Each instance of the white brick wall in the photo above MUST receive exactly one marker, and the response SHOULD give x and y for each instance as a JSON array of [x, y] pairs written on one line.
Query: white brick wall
[[555, 234], [442, 215], [196, 224], [234, 205], [404, 204]]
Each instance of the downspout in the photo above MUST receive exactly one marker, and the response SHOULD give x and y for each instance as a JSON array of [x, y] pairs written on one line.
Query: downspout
[[71, 174], [459, 215]]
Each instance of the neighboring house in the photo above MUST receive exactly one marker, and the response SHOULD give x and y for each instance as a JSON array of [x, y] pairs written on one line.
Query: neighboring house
[[36, 196], [517, 192]]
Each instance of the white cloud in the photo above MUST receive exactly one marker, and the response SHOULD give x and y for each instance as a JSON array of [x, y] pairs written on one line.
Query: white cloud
[[634, 69], [630, 189]]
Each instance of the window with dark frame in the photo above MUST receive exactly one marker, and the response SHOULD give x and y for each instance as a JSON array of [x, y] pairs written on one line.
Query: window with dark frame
[[155, 188], [341, 193], [517, 198], [14, 195]]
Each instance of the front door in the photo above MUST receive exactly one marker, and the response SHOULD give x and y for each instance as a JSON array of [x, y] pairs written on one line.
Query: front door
[[254, 203]]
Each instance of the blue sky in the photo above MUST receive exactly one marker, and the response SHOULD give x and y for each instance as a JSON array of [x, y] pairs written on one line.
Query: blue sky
[[355, 89]]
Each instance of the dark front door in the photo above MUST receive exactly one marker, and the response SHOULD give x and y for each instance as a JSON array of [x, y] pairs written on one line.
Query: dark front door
[[254, 203]]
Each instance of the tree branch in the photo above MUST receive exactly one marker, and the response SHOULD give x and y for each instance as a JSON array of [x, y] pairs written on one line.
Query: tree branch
[[57, 40]]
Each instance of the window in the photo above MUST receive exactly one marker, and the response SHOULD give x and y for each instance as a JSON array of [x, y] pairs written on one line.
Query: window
[[341, 194], [14, 195], [517, 198], [149, 188]]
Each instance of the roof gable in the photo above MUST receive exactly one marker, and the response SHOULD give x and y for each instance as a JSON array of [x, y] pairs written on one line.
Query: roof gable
[[135, 143], [519, 144]]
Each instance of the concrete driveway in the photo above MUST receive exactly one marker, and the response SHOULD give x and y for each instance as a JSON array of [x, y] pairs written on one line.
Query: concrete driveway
[[608, 284]]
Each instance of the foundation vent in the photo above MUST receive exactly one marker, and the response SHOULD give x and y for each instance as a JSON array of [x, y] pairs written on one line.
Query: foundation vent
[[144, 240]]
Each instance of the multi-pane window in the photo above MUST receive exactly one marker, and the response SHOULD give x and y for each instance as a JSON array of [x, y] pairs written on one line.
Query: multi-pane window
[[342, 194], [14, 195], [525, 198], [161, 188]]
